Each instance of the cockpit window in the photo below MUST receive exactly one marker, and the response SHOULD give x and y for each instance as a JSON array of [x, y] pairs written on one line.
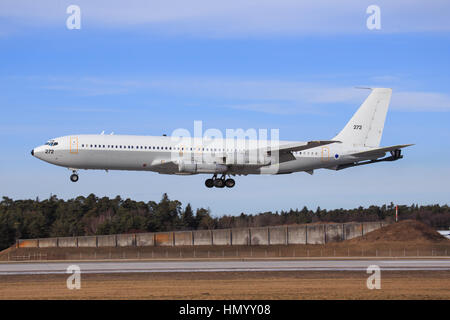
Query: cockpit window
[[51, 143]]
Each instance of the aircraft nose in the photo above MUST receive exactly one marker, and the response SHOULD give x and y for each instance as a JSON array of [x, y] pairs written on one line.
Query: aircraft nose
[[32, 152]]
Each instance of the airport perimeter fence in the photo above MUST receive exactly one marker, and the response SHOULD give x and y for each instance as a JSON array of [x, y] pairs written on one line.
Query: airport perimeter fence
[[277, 235], [226, 252]]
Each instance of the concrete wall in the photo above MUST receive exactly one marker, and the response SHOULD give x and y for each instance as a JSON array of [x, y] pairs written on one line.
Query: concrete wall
[[277, 235], [183, 238], [67, 242], [164, 239], [370, 226], [48, 243], [259, 236], [29, 243], [126, 240], [297, 234], [352, 230], [87, 242], [145, 239], [315, 234], [202, 237], [106, 241], [222, 237], [294, 234], [334, 232], [240, 237]]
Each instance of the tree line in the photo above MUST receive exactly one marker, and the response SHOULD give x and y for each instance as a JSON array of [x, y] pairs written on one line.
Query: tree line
[[91, 215]]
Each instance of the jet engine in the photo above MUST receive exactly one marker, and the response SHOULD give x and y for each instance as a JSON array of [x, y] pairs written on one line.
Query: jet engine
[[201, 167]]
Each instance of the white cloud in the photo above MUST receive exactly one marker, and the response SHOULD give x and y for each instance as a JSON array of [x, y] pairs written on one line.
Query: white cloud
[[420, 101], [236, 18], [259, 95]]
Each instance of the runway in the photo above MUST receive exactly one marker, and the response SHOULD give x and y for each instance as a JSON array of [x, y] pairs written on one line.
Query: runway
[[223, 266]]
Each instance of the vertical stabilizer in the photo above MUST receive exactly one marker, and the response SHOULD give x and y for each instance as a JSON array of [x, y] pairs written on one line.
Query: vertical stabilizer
[[365, 128]]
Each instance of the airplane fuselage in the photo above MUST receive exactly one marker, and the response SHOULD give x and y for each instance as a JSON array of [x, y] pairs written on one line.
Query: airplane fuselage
[[167, 156], [357, 144]]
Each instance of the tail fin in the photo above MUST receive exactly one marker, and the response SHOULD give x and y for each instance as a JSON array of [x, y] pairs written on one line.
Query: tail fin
[[365, 128]]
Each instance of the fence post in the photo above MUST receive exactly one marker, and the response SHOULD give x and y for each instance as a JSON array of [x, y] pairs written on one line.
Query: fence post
[[306, 234], [287, 235]]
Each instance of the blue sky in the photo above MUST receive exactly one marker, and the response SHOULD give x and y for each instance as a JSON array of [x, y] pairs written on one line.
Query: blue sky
[[150, 67]]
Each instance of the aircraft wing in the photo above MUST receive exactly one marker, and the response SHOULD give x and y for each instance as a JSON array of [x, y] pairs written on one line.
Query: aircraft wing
[[286, 148], [378, 151]]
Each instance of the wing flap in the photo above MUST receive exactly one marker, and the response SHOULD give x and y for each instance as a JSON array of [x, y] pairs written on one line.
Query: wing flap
[[291, 147]]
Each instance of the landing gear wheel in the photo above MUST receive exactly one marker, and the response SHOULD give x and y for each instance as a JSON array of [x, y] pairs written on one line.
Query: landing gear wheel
[[219, 183], [230, 183], [209, 183], [74, 177]]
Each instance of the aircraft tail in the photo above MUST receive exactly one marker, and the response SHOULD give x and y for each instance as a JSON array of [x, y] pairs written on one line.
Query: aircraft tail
[[365, 128]]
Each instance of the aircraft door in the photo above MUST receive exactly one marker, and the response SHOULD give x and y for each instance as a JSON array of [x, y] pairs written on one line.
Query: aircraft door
[[73, 145], [325, 154]]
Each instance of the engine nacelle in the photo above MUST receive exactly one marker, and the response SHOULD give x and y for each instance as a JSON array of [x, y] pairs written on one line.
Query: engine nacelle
[[201, 167]]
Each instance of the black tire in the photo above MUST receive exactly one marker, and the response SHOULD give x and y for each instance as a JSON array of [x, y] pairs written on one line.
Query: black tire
[[74, 178], [219, 183], [230, 183], [209, 183]]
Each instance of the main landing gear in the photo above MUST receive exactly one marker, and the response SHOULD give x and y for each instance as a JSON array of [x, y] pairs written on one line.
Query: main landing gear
[[219, 182], [74, 176]]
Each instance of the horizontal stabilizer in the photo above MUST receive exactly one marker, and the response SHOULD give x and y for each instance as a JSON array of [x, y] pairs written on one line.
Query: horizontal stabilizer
[[377, 151]]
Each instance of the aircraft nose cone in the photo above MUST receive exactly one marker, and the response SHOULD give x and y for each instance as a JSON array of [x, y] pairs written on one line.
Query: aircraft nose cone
[[32, 152]]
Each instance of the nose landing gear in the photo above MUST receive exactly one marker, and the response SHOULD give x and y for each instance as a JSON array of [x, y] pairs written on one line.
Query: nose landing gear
[[219, 182], [74, 176]]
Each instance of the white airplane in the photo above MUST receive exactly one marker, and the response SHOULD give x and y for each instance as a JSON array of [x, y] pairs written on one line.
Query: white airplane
[[357, 144]]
